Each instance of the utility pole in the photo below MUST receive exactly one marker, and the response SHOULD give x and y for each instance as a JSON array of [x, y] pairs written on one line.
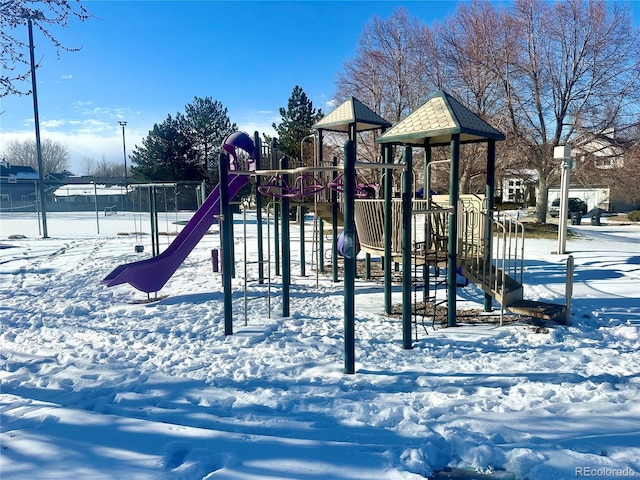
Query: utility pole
[[37, 15], [126, 174]]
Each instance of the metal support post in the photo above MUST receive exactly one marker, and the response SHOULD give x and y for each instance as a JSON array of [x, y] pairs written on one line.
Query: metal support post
[[321, 245], [489, 194], [334, 226], [569, 288], [286, 245], [407, 183], [303, 272], [452, 247], [349, 256], [227, 241], [388, 193], [258, 160]]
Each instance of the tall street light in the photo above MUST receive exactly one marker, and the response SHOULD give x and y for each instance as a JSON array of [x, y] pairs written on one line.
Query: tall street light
[[124, 151], [126, 175], [37, 15]]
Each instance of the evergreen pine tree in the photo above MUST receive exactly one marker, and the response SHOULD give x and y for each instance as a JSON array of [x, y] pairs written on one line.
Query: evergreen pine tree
[[186, 147], [296, 124]]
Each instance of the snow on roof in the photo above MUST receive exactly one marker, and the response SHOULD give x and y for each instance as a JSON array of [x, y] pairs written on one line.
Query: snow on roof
[[21, 172], [88, 190]]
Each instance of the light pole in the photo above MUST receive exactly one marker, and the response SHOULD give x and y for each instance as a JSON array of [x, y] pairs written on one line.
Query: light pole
[[126, 175], [563, 152], [124, 152], [37, 15]]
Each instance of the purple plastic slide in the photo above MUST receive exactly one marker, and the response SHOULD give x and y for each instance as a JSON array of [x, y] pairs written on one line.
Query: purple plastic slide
[[150, 275]]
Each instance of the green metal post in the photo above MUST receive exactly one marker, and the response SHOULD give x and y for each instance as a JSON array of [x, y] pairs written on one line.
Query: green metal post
[[320, 163], [367, 266], [407, 184], [452, 253], [490, 194], [286, 246], [258, 154], [349, 256], [153, 219], [227, 241], [321, 245], [303, 269], [388, 194], [334, 222], [276, 211], [153, 246], [277, 207], [426, 196]]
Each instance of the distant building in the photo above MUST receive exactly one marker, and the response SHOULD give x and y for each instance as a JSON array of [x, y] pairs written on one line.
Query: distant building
[[18, 183], [519, 187], [595, 196], [602, 149], [87, 193]]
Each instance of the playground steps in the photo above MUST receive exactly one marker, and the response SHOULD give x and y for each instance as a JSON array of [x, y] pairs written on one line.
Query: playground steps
[[490, 279], [511, 296], [542, 310]]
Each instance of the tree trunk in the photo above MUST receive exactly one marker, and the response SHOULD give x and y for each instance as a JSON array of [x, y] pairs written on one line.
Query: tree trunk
[[542, 198]]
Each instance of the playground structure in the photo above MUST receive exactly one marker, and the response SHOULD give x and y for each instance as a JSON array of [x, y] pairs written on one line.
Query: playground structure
[[456, 233]]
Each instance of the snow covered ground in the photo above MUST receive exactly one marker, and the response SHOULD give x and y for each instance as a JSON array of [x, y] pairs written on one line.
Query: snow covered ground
[[97, 385]]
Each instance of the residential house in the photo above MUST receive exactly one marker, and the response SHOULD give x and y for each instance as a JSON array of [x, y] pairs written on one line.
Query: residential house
[[18, 186]]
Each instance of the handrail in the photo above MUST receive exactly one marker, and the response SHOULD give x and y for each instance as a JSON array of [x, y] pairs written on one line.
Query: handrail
[[491, 246]]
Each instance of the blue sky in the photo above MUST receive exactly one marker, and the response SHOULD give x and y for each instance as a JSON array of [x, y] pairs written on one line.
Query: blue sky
[[140, 61]]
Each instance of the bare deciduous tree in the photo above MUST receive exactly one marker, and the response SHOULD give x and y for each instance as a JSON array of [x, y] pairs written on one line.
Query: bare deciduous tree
[[391, 73], [576, 69], [55, 155], [387, 73], [470, 78], [541, 72], [102, 167], [15, 66]]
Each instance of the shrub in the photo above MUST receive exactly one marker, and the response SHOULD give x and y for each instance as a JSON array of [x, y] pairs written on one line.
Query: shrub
[[634, 216]]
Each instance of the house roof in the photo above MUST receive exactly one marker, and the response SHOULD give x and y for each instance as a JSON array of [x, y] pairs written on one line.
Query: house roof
[[350, 112], [18, 171], [88, 190], [438, 119], [599, 144]]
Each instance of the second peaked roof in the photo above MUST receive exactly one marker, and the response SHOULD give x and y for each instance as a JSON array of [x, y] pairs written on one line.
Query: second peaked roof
[[350, 112], [437, 120]]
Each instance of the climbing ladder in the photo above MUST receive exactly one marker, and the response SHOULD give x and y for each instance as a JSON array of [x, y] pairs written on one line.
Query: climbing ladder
[[429, 266]]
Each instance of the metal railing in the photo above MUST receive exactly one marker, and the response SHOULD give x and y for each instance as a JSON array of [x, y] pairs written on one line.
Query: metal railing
[[432, 226], [491, 249]]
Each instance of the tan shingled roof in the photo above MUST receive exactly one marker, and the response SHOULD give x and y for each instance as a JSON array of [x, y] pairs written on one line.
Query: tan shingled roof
[[350, 112], [437, 120]]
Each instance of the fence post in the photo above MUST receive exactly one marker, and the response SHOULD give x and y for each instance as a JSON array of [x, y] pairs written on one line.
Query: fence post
[[569, 288]]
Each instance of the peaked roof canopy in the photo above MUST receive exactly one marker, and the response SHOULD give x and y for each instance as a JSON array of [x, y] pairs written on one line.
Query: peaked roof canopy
[[350, 112], [437, 120]]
